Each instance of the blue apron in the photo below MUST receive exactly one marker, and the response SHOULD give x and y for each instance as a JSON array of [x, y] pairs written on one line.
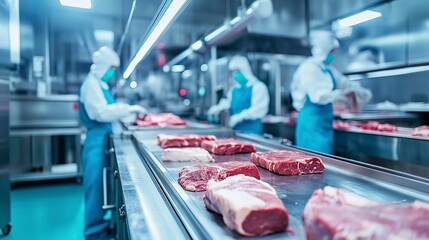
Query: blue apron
[[242, 100], [94, 161], [314, 125]]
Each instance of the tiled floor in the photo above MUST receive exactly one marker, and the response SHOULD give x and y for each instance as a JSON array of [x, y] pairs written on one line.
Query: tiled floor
[[48, 211]]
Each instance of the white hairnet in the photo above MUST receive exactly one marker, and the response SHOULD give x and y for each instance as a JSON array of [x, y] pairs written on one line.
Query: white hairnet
[[322, 42], [102, 60], [240, 63]]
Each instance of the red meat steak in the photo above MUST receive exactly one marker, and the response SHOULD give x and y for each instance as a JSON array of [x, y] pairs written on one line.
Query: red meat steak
[[194, 178], [160, 120], [333, 214], [287, 162], [376, 126], [421, 131], [249, 206], [182, 140], [228, 146], [340, 125]]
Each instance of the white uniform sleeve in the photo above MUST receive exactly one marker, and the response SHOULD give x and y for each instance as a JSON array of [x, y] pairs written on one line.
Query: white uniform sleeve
[[224, 104], [318, 86], [96, 105], [259, 104], [363, 95]]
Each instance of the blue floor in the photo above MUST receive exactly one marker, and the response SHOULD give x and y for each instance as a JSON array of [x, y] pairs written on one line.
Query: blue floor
[[53, 211]]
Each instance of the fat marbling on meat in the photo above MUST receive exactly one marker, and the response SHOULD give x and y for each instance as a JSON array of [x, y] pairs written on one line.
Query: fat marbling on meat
[[333, 214], [194, 178], [193, 154], [228, 146], [248, 205], [285, 162]]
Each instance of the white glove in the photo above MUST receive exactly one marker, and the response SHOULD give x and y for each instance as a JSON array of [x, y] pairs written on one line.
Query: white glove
[[363, 95], [138, 109], [213, 110], [234, 120], [338, 96], [216, 109]]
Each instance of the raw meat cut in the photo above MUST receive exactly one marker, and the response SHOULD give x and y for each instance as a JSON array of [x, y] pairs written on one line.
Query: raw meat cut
[[194, 178], [422, 131], [333, 214], [183, 140], [186, 154], [160, 120], [285, 162], [387, 128], [249, 206], [228, 146], [340, 125], [371, 125], [376, 126]]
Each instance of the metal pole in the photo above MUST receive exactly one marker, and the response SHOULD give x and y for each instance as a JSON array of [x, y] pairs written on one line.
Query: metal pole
[[213, 74]]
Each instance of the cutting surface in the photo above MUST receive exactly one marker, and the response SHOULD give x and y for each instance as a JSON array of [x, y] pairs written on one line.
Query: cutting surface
[[294, 191]]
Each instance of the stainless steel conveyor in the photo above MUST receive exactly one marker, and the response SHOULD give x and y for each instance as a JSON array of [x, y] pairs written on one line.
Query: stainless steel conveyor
[[185, 211]]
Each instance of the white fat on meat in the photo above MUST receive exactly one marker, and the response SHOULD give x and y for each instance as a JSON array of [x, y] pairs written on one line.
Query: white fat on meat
[[186, 154], [237, 200]]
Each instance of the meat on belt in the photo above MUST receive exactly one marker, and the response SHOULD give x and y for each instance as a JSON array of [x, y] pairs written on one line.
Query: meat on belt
[[251, 206]]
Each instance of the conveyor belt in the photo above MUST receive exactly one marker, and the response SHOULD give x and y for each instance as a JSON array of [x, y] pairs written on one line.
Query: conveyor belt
[[375, 183]]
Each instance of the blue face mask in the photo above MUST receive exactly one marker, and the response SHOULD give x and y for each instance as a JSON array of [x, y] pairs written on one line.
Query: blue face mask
[[239, 77], [109, 75], [329, 59]]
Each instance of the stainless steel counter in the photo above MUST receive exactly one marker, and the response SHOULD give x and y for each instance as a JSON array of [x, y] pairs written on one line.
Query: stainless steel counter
[[399, 150], [375, 183], [148, 213]]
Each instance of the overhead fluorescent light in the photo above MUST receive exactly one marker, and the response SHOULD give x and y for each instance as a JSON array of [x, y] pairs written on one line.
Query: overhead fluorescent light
[[133, 84], [161, 26], [166, 68], [235, 20], [215, 33], [359, 18], [204, 67], [197, 45], [77, 3], [187, 74], [178, 68]]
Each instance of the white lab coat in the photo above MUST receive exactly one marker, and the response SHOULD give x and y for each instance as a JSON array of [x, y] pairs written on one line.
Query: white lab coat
[[260, 96], [309, 80], [259, 104], [96, 105]]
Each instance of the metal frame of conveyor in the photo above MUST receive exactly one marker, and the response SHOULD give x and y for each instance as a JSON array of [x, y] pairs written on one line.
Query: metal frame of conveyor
[[139, 158]]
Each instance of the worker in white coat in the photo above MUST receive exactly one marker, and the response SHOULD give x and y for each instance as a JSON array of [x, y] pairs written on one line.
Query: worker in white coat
[[247, 101], [98, 109], [315, 86]]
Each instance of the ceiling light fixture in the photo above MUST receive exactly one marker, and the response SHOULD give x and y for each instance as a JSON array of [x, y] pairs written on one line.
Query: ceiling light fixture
[[359, 18], [77, 3], [168, 16], [178, 68]]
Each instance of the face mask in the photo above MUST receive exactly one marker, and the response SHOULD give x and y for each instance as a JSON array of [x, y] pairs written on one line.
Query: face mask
[[329, 59], [108, 75], [239, 77]]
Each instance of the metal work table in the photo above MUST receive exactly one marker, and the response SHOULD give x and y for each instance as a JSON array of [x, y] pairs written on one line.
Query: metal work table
[[148, 213], [399, 150], [375, 183]]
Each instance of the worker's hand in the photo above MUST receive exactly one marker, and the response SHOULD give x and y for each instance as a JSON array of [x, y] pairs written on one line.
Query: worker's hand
[[213, 110], [138, 109], [363, 95], [234, 120], [338, 96]]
